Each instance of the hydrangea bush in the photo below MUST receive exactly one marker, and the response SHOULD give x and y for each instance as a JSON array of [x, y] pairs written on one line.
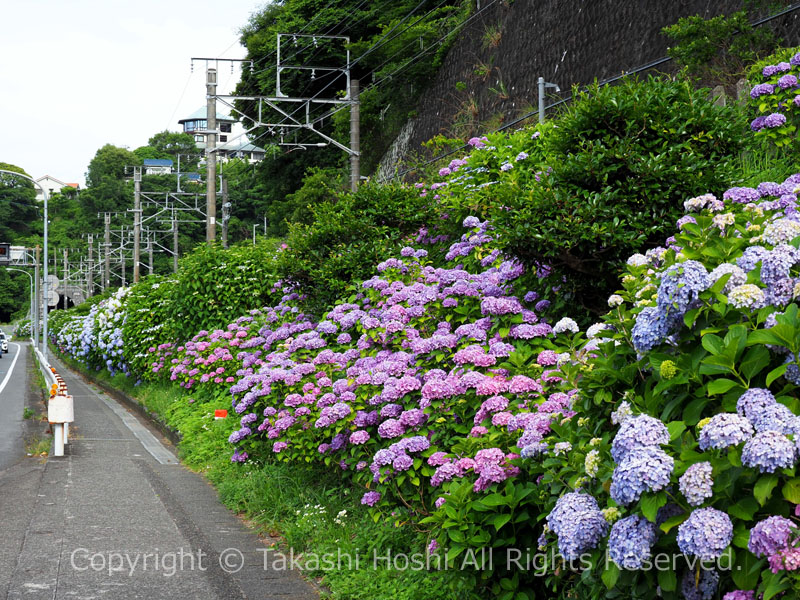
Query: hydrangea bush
[[775, 98]]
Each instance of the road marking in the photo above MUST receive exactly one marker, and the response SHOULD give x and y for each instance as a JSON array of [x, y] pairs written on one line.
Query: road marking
[[8, 375]]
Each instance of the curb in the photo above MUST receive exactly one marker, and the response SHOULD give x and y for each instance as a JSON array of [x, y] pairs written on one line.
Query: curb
[[173, 435]]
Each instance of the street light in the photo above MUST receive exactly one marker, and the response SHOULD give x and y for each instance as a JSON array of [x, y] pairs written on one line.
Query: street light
[[46, 287], [542, 85]]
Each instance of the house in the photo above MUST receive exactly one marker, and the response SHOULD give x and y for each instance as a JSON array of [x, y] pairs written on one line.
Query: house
[[231, 141], [157, 166], [52, 185]]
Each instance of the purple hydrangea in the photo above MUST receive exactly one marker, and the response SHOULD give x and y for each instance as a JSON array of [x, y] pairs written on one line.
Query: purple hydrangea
[[769, 451], [725, 429], [681, 283], [705, 534], [371, 498], [753, 401], [770, 536], [774, 120], [703, 587], [577, 521], [638, 432], [653, 325], [630, 542], [740, 595], [696, 483], [762, 89], [642, 470], [774, 417], [787, 81], [741, 195]]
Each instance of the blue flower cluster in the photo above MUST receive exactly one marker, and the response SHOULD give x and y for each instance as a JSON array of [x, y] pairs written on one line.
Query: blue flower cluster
[[705, 534], [724, 430], [700, 586], [631, 541], [578, 523], [642, 469]]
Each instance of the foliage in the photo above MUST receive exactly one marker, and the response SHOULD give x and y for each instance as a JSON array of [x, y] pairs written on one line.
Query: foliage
[[776, 98], [717, 50], [18, 208], [347, 235]]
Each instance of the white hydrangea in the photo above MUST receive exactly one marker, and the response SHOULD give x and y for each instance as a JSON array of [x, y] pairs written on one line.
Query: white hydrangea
[[615, 300], [781, 231], [637, 260], [746, 296], [566, 325]]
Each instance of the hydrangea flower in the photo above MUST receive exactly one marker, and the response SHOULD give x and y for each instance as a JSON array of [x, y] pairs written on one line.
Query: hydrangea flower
[[696, 483], [769, 451], [371, 498], [642, 469], [774, 417], [638, 432], [769, 536], [724, 430], [703, 587], [566, 325], [753, 402], [577, 521], [705, 534], [630, 542], [747, 296]]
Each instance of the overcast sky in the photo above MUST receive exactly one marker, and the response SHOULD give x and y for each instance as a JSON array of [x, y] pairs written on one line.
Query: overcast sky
[[78, 74]]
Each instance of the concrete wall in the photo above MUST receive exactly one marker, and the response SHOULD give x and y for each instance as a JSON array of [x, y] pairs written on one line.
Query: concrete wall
[[490, 75]]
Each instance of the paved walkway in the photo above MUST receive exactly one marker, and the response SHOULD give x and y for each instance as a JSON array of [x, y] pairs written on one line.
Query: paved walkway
[[117, 517]]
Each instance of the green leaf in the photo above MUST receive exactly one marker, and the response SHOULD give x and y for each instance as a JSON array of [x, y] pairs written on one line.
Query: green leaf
[[744, 509], [791, 490], [667, 580], [650, 505], [746, 570], [763, 488], [499, 520], [775, 373], [756, 359], [673, 521], [720, 386], [495, 500], [610, 574], [712, 343], [675, 428]]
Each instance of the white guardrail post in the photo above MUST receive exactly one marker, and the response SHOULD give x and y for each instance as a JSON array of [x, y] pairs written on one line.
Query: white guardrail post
[[60, 407]]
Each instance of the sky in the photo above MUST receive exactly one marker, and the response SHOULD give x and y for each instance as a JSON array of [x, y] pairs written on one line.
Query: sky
[[78, 74]]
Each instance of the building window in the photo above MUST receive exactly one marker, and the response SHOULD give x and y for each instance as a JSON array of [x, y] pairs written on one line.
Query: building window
[[199, 138], [223, 138], [225, 127]]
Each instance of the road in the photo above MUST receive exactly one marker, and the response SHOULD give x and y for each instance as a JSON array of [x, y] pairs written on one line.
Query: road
[[118, 517], [13, 388]]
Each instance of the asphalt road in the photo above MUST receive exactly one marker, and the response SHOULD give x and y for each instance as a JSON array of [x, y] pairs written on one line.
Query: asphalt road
[[13, 388]]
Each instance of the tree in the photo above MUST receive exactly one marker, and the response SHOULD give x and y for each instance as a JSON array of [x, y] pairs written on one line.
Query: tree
[[109, 164], [18, 209]]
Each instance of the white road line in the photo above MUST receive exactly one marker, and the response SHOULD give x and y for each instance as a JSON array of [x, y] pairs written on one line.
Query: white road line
[[14, 362]]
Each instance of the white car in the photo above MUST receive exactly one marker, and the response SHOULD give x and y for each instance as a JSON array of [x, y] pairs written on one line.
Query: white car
[[3, 343]]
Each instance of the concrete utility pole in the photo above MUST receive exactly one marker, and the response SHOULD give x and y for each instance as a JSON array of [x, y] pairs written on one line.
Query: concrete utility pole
[[107, 247], [226, 213], [150, 254], [137, 219], [174, 243], [355, 159], [90, 272], [211, 156], [37, 301], [65, 275]]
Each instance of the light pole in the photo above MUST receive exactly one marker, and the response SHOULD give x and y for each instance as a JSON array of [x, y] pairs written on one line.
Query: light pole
[[33, 310], [46, 288], [542, 85]]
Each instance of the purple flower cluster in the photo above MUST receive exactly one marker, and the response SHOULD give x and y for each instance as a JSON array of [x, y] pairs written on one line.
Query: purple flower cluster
[[696, 483], [771, 535], [630, 542], [577, 521], [641, 470], [705, 534]]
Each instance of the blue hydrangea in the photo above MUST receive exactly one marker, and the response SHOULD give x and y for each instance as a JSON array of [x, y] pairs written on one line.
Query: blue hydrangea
[[630, 542], [751, 257], [681, 284], [724, 430], [642, 470], [777, 264], [753, 401], [638, 432], [705, 534], [774, 417], [769, 451], [696, 483], [703, 587], [577, 521], [653, 325]]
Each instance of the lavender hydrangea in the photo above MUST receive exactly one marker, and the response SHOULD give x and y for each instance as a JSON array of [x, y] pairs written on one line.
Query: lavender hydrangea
[[638, 432], [642, 470], [696, 483], [724, 430], [773, 417], [702, 586], [753, 402], [770, 536], [705, 534], [630, 542], [577, 521], [681, 283], [769, 451]]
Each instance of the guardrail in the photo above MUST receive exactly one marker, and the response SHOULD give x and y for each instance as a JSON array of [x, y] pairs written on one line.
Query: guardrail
[[60, 405]]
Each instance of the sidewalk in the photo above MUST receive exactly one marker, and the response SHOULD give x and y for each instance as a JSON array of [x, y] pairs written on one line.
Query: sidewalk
[[117, 517]]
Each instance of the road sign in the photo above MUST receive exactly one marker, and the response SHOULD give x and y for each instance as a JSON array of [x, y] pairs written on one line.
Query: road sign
[[53, 299]]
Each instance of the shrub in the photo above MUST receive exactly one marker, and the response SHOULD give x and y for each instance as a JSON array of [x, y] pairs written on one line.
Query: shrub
[[775, 97]]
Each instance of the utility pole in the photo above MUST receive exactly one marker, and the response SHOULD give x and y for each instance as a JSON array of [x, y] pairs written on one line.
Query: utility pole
[[107, 247], [174, 243], [137, 216], [226, 213], [355, 161], [150, 254], [211, 156], [90, 273], [65, 275], [37, 301]]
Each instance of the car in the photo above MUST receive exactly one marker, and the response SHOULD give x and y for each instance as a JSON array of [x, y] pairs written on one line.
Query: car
[[3, 343]]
